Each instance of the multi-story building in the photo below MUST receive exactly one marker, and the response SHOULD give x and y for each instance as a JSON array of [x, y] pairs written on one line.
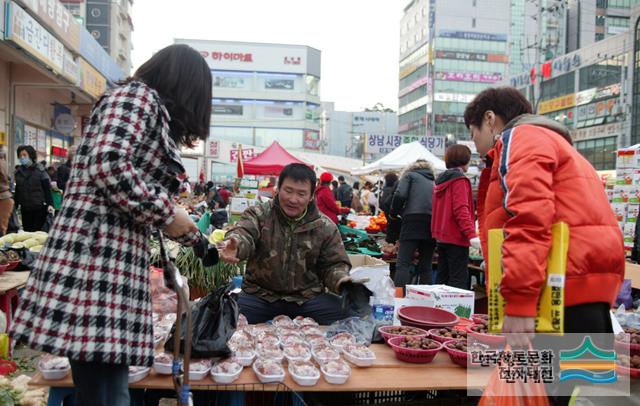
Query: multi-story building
[[261, 93], [587, 90], [51, 72], [343, 132], [590, 21], [110, 24], [442, 68]]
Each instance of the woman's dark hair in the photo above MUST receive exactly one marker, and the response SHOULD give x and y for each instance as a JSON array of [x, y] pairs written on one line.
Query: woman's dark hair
[[506, 102], [368, 185], [390, 179], [456, 156], [334, 183], [182, 78], [356, 185], [30, 151], [299, 173]]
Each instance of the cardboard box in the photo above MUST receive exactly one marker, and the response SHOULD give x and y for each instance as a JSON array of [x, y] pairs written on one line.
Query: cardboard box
[[633, 210], [365, 260], [458, 301], [365, 266], [620, 211]]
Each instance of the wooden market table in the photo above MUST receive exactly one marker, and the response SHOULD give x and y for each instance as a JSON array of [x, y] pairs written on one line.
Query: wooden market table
[[632, 271], [387, 374]]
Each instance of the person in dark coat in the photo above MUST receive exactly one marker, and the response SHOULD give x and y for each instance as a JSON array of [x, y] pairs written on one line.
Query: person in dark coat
[[393, 223], [453, 221], [88, 296], [345, 192], [64, 170], [412, 203], [33, 190]]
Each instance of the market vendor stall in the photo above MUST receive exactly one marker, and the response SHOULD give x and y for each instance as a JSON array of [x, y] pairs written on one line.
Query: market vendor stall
[[271, 161], [400, 158]]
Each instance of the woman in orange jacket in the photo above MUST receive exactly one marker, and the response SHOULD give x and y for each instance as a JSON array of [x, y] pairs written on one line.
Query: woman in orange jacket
[[533, 179]]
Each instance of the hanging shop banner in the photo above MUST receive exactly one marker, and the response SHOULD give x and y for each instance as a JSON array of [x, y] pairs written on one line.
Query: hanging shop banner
[[559, 103], [91, 81], [600, 131], [434, 143], [382, 143], [31, 136], [472, 56], [585, 96], [26, 32], [70, 68], [18, 126], [312, 140], [57, 19], [41, 136], [448, 118], [469, 77]]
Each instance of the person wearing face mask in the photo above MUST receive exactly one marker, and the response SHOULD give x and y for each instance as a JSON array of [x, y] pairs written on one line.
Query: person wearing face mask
[[535, 178], [293, 253], [33, 190]]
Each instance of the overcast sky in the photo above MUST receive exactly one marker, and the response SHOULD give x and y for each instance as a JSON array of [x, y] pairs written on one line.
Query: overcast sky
[[359, 39]]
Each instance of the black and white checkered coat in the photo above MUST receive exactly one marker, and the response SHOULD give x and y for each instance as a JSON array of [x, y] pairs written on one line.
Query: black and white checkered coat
[[88, 296]]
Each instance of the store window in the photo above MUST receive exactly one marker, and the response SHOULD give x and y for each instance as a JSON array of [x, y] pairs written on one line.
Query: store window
[[600, 21], [413, 96], [313, 85], [231, 80], [599, 152], [413, 115], [600, 75], [232, 134], [288, 138], [556, 87]]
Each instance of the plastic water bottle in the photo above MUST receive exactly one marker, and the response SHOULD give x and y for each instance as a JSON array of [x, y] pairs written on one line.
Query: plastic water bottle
[[382, 301]]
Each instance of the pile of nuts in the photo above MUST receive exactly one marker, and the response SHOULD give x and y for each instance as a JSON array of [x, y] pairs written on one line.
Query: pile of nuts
[[419, 344]]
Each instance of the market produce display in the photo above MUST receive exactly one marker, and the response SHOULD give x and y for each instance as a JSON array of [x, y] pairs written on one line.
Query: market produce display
[[377, 223], [630, 336], [419, 343], [29, 240], [16, 391]]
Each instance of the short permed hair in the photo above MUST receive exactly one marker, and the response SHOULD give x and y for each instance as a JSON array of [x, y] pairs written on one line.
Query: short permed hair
[[506, 102]]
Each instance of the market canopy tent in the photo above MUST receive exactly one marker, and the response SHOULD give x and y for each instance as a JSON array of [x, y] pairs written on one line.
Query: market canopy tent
[[271, 161], [400, 158]]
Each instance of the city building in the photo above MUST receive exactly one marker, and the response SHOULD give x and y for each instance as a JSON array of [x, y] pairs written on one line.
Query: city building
[[110, 24], [343, 132], [590, 21], [449, 51], [46, 92], [589, 91], [261, 93]]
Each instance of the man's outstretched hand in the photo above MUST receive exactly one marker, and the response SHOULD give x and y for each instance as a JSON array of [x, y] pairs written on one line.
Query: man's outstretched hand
[[228, 250]]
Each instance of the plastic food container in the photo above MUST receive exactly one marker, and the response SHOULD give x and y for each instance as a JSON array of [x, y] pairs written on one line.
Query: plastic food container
[[304, 373], [226, 371], [413, 355], [336, 378], [54, 368], [297, 352], [138, 373], [305, 321], [387, 335], [282, 321], [324, 354], [245, 356], [315, 340], [274, 353], [268, 371], [341, 339], [359, 355], [199, 370], [163, 364], [311, 330]]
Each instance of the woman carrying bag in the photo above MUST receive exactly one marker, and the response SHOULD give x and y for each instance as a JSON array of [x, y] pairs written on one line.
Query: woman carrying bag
[[88, 296]]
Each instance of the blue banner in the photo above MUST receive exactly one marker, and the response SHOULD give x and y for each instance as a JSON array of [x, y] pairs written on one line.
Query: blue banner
[[99, 58], [482, 36]]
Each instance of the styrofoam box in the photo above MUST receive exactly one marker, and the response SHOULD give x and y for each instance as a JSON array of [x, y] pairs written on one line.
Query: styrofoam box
[[455, 300]]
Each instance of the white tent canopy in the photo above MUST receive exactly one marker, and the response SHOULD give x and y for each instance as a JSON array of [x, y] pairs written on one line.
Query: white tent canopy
[[400, 158]]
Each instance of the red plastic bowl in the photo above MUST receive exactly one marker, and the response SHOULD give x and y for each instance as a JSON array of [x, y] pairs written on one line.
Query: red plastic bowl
[[434, 334], [414, 356], [479, 318], [632, 372], [621, 347], [387, 336], [457, 357], [490, 339], [12, 265], [3, 268], [428, 316]]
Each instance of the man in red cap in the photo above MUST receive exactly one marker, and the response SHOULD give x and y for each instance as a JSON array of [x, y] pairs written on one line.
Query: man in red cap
[[325, 201]]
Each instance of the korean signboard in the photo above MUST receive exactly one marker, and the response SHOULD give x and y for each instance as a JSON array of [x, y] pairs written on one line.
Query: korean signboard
[[246, 154], [482, 36], [98, 57], [382, 143], [55, 16], [91, 81], [213, 148], [472, 56], [453, 97], [521, 80], [26, 32], [559, 103], [227, 109], [368, 123], [434, 143], [312, 140], [469, 77], [600, 131]]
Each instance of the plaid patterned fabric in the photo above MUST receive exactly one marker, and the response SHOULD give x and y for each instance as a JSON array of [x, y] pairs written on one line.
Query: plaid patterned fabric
[[88, 296]]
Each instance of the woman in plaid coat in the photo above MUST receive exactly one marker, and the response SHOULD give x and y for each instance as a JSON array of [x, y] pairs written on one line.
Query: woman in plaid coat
[[88, 297]]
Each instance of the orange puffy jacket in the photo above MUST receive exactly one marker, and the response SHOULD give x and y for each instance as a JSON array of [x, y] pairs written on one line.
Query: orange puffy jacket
[[536, 178]]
